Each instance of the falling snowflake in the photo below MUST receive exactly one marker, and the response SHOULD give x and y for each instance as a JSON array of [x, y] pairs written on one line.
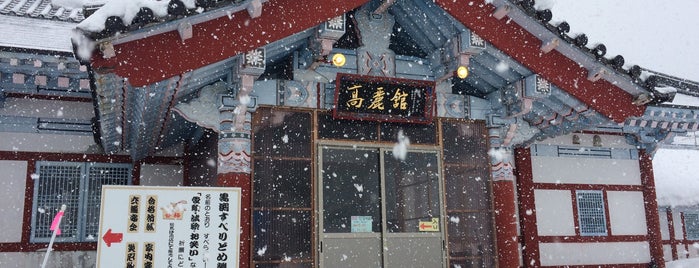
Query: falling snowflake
[[336, 23], [285, 138], [255, 58], [502, 67], [400, 149], [261, 251]]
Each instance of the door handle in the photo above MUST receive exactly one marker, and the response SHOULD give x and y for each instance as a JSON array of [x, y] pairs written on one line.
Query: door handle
[[321, 246]]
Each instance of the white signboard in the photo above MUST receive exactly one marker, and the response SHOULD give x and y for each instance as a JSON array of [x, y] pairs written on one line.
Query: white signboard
[[169, 227]]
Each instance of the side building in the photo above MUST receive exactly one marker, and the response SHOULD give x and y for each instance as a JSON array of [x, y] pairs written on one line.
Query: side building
[[48, 152], [361, 133]]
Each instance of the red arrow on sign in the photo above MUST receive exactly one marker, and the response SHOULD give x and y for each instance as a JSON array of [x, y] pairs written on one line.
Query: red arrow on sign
[[110, 237], [425, 226]]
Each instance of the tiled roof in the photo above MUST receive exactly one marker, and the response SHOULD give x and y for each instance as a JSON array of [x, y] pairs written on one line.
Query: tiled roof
[[40, 9]]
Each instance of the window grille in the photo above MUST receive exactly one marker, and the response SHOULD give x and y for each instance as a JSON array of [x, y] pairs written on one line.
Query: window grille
[[79, 187], [691, 225], [591, 215]]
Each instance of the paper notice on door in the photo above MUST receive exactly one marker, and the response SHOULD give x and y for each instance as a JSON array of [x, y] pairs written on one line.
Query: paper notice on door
[[361, 224]]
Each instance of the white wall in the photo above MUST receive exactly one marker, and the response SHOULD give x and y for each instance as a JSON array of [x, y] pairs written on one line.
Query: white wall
[[161, 175], [627, 213], [12, 185], [554, 212], [47, 108], [50, 143], [57, 259], [593, 253], [664, 227], [546, 169], [678, 223], [608, 141]]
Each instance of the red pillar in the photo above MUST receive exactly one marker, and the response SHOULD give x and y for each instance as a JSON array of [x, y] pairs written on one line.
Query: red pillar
[[243, 181], [506, 223], [505, 206], [527, 208], [652, 217]]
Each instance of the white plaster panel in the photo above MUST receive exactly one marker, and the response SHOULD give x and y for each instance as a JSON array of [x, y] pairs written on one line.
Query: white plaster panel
[[12, 185], [608, 141], [547, 169], [667, 252], [554, 212], [679, 225], [627, 214], [161, 175], [664, 225], [560, 254], [681, 251], [693, 250], [50, 143], [47, 108]]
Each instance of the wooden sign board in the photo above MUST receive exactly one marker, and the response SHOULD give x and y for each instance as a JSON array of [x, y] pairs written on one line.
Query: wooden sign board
[[388, 99]]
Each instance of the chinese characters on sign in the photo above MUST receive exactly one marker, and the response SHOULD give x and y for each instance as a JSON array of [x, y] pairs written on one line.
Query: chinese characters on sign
[[199, 227], [383, 99]]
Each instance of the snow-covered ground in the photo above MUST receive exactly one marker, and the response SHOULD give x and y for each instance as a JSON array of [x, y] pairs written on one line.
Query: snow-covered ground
[[687, 263]]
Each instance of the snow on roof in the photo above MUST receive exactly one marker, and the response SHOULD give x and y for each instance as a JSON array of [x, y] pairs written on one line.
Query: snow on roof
[[676, 177], [126, 10], [22, 32], [685, 100], [45, 9]]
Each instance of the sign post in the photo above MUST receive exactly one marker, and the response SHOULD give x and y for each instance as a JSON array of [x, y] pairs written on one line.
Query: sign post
[[55, 227], [169, 227]]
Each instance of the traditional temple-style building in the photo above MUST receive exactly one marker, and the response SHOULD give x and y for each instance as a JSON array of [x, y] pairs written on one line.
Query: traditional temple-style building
[[407, 133]]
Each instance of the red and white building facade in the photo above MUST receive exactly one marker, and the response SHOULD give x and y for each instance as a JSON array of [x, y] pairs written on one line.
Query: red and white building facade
[[539, 157]]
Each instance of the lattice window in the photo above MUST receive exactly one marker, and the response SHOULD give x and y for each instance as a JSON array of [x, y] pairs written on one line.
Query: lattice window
[[691, 225], [591, 215], [79, 187]]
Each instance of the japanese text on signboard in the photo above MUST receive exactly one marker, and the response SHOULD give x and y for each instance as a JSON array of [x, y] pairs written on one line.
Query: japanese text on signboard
[[383, 99]]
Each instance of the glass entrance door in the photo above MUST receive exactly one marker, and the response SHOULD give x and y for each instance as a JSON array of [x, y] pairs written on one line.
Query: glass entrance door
[[378, 211]]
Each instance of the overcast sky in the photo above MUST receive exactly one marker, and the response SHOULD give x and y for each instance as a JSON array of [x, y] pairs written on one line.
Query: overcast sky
[[658, 35]]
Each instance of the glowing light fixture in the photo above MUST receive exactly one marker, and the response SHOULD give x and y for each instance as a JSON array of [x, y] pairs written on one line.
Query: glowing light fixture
[[462, 72], [339, 59]]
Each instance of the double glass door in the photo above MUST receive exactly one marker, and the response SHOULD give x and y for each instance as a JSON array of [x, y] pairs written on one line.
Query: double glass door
[[378, 210]]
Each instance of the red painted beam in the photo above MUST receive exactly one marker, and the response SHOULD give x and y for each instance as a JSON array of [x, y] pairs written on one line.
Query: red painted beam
[[558, 69], [161, 56]]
